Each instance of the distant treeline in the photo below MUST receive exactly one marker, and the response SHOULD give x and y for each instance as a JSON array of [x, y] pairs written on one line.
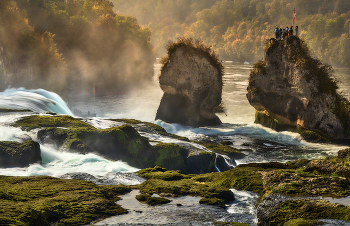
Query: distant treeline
[[237, 29], [71, 45]]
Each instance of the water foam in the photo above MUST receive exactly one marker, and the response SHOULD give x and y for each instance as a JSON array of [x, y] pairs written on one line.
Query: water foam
[[56, 163]]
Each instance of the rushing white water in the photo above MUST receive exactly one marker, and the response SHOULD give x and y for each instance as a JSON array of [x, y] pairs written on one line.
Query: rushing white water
[[38, 100]]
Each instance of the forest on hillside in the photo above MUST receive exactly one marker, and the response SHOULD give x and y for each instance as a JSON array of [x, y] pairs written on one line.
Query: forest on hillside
[[71, 45], [237, 29]]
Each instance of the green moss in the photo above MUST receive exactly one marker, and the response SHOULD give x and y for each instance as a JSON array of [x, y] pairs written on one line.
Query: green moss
[[12, 148], [302, 222], [38, 121], [212, 202], [162, 174], [152, 201], [310, 210], [222, 149], [173, 183], [241, 177], [169, 155], [42, 200]]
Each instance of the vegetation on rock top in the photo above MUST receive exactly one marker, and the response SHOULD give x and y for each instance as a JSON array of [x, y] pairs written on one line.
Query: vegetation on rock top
[[309, 210], [152, 201], [39, 121], [191, 47]]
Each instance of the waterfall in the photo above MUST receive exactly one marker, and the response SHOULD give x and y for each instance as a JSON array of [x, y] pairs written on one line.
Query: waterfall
[[38, 100]]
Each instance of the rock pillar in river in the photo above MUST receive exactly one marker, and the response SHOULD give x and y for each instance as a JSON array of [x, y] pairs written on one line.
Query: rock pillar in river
[[290, 90], [191, 78]]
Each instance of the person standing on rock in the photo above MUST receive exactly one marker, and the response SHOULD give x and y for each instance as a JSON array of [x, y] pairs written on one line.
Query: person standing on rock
[[281, 32], [296, 31], [286, 31], [277, 32], [291, 30]]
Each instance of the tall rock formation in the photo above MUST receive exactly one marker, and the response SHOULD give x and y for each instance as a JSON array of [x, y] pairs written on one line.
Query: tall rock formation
[[292, 91], [191, 78]]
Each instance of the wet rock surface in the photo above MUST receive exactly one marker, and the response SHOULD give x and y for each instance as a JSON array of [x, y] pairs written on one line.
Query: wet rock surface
[[269, 205], [191, 79], [15, 154], [110, 178]]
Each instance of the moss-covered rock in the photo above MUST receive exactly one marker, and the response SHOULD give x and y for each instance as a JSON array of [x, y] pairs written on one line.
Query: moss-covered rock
[[285, 187], [152, 201], [212, 202], [302, 222], [39, 121], [15, 154], [337, 165], [222, 149], [43, 200], [309, 210], [174, 183], [200, 162]]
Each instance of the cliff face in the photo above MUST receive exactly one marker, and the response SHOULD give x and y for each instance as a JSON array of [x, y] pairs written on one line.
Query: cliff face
[[192, 83], [293, 90]]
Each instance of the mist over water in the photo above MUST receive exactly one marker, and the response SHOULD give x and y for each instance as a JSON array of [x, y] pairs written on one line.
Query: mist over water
[[259, 143]]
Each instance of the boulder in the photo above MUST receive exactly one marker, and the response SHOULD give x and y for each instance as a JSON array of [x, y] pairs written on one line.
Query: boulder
[[126, 144], [200, 162], [15, 154], [191, 79], [292, 91]]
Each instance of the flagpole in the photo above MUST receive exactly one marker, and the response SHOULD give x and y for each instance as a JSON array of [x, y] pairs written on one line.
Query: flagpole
[[294, 16]]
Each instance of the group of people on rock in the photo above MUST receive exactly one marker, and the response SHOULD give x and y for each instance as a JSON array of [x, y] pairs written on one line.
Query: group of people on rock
[[282, 33]]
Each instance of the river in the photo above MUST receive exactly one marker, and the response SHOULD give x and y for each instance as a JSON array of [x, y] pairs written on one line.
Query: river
[[261, 144]]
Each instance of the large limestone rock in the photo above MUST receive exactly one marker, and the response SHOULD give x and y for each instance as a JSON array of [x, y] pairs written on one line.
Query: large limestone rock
[[15, 154], [292, 91], [191, 78]]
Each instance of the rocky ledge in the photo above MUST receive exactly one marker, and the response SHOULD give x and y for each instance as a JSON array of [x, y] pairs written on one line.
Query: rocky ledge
[[125, 143], [191, 79], [292, 91]]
